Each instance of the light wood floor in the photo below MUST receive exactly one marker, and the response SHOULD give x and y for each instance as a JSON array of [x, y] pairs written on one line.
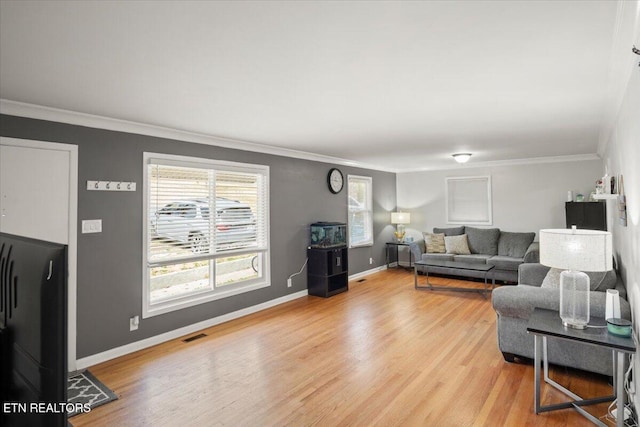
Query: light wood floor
[[380, 354]]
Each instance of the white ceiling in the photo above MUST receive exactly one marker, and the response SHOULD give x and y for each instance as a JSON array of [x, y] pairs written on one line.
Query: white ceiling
[[395, 85]]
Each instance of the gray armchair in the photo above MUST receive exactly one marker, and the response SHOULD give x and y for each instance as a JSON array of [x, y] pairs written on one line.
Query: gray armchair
[[514, 305]]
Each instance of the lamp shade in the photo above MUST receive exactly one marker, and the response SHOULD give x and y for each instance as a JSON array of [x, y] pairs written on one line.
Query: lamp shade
[[573, 249], [400, 217]]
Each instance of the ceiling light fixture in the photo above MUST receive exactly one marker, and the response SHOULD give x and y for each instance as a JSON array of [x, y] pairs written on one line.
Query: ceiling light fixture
[[462, 157]]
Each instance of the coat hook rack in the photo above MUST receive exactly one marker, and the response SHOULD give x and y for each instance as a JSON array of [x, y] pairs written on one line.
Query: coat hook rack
[[636, 51], [111, 186]]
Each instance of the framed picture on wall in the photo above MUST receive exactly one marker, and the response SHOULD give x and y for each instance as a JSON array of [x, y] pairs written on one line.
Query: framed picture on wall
[[468, 200]]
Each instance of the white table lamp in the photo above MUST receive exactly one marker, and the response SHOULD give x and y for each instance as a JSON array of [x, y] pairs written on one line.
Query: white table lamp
[[575, 251], [400, 219]]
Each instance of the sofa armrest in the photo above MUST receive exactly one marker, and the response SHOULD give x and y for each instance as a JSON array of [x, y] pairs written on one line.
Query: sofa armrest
[[519, 301], [533, 253], [417, 248], [532, 274]]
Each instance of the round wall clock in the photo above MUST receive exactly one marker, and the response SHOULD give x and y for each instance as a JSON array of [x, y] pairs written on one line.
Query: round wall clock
[[335, 180]]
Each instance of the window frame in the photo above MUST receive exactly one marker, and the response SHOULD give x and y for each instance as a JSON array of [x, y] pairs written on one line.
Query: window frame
[[482, 214], [369, 209], [162, 307]]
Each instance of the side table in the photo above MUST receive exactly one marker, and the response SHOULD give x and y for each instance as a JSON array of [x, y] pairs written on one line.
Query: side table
[[397, 245], [545, 324]]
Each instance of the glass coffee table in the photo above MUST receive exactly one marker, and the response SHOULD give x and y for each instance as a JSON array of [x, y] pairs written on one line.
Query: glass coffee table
[[463, 269]]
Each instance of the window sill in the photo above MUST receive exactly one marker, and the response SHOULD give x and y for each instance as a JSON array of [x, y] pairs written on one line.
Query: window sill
[[193, 300]]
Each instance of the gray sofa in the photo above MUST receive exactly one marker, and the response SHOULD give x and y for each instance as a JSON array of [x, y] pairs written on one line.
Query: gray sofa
[[505, 250], [514, 305]]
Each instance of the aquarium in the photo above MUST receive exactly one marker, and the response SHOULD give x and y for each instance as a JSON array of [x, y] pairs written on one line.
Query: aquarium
[[328, 235]]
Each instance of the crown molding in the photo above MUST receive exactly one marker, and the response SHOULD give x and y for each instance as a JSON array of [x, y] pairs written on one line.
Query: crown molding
[[32, 111], [21, 109], [511, 162]]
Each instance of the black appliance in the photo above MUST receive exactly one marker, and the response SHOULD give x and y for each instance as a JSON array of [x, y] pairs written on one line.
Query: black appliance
[[33, 331]]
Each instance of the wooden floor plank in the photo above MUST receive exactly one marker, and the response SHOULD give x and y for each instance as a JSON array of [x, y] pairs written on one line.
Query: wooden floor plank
[[382, 354]]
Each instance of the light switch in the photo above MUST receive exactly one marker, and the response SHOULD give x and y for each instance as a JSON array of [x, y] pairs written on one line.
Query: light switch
[[92, 226]]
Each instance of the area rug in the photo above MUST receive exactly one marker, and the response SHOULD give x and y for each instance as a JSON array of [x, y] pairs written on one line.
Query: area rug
[[85, 389]]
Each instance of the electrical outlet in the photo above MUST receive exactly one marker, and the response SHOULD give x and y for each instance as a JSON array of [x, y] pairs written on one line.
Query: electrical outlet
[[289, 284], [134, 322], [370, 261]]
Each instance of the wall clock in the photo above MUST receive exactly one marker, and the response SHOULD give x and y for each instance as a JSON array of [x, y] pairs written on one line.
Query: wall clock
[[335, 180]]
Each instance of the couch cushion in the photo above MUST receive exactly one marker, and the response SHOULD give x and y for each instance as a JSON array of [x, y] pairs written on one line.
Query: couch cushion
[[472, 259], [483, 240], [437, 257], [434, 243], [457, 245], [514, 244], [505, 262], [599, 281], [453, 231]]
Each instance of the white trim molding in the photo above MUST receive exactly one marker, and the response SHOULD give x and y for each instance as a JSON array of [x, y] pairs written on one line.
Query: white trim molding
[[512, 162], [367, 272], [21, 109]]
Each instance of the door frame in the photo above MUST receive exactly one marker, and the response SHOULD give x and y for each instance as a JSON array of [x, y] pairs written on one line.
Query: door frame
[[72, 260]]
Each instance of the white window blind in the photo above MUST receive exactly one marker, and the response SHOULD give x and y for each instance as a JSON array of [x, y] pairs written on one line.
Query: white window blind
[[207, 229], [468, 200], [360, 189]]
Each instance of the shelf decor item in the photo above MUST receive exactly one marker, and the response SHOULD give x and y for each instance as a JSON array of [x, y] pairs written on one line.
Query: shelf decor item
[[575, 251], [400, 219], [622, 203], [612, 304]]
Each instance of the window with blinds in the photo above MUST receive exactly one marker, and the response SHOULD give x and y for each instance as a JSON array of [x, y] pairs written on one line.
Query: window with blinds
[[360, 189], [206, 230]]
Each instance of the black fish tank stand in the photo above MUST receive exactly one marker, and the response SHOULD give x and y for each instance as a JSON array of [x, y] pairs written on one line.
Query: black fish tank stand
[[328, 271]]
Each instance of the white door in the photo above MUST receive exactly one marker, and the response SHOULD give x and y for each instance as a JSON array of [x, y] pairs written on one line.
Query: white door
[[34, 193], [38, 199]]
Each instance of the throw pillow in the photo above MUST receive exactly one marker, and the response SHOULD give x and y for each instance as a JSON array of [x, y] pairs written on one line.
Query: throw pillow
[[434, 243], [457, 245], [552, 279], [598, 280]]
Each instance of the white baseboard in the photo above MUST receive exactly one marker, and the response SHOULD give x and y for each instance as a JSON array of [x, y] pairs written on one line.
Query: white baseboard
[[88, 361], [367, 272]]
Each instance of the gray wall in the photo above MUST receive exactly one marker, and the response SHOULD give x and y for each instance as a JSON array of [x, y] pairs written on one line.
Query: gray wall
[[622, 157], [110, 263], [525, 197]]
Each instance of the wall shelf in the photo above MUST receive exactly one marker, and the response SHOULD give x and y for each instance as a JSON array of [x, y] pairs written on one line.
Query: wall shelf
[[605, 196]]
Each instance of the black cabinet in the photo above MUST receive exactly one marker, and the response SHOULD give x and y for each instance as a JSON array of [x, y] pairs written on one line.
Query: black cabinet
[[587, 215], [328, 271]]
